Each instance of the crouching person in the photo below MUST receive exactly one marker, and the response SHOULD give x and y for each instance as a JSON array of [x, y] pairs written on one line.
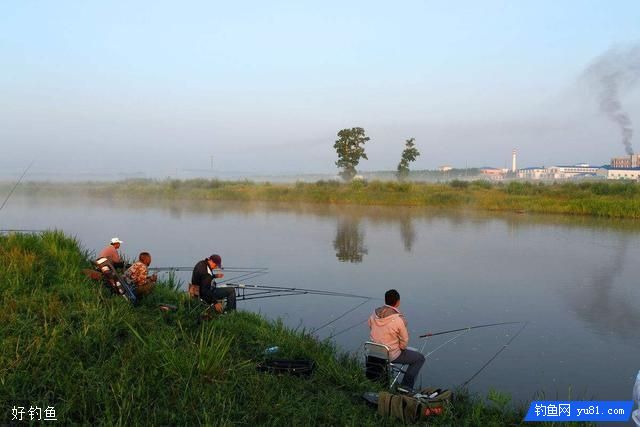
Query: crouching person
[[204, 277], [137, 275]]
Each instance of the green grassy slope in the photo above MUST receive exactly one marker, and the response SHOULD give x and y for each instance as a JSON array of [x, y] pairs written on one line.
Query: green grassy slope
[[68, 343]]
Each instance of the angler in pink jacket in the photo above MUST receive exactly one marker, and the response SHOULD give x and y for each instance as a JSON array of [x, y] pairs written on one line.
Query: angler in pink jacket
[[389, 327]]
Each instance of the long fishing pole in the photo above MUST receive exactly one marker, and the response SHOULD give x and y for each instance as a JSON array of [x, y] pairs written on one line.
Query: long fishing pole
[[495, 355], [16, 185], [251, 296], [245, 276], [303, 290], [433, 334], [226, 269]]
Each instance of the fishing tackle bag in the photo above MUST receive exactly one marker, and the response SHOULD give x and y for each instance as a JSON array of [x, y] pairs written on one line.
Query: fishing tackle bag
[[296, 367], [409, 408]]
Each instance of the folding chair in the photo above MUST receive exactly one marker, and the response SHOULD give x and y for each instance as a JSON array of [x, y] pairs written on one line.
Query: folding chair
[[194, 292], [113, 281], [378, 365]]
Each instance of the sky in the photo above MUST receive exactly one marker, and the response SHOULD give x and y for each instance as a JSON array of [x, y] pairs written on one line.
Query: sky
[[161, 88]]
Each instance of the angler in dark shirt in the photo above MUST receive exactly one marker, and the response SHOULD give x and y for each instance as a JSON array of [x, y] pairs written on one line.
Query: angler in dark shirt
[[203, 276]]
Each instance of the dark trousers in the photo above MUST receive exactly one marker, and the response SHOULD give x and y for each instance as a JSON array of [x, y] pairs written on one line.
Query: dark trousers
[[210, 295], [415, 360]]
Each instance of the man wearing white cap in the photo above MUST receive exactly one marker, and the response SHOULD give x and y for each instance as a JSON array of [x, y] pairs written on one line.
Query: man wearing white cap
[[111, 252]]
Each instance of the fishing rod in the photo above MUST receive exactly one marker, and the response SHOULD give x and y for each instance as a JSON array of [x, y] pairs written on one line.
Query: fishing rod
[[252, 296], [245, 276], [433, 334], [248, 272], [218, 270], [241, 288], [16, 185]]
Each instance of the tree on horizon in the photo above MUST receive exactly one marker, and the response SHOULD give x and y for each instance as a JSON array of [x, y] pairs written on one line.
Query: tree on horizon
[[409, 154], [350, 149]]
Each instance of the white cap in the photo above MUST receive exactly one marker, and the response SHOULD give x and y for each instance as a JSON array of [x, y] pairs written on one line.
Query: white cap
[[116, 240]]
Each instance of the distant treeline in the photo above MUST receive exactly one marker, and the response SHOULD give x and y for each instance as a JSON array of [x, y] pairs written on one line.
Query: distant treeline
[[426, 175], [598, 198]]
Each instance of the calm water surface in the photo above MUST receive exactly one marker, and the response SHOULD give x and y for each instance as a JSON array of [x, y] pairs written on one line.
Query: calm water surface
[[574, 280]]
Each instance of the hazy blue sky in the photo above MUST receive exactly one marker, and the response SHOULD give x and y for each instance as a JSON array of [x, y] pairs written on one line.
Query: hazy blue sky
[[264, 86]]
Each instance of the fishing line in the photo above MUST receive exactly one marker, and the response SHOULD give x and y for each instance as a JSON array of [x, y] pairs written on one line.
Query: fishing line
[[495, 355], [305, 290], [245, 276], [433, 334], [442, 345], [346, 329], [16, 184], [339, 317], [227, 269], [250, 297]]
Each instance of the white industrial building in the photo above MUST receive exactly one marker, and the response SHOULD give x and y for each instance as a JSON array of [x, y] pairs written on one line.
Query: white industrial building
[[615, 173], [581, 170], [533, 173]]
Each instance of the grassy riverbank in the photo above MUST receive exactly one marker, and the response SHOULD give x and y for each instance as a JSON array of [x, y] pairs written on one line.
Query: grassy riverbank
[[68, 344], [599, 199]]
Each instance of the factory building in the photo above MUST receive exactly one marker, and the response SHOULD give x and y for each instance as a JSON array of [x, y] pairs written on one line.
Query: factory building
[[626, 162], [609, 172], [493, 174], [578, 171], [581, 170], [533, 173]]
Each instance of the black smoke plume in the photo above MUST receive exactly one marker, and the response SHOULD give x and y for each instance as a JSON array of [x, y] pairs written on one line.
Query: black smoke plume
[[618, 68]]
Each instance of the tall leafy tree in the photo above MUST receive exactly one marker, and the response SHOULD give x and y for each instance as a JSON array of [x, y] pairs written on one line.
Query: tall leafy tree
[[350, 149], [409, 154]]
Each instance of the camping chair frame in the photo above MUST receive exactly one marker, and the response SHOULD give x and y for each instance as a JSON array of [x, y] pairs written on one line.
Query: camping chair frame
[[378, 354], [194, 292]]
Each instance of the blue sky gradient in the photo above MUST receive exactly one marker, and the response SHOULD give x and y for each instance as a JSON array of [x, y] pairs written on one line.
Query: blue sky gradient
[[156, 87]]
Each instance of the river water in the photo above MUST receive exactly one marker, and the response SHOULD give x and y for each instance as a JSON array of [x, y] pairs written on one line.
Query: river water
[[574, 280]]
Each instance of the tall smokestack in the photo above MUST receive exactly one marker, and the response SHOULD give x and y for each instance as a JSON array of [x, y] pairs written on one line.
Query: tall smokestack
[[513, 161]]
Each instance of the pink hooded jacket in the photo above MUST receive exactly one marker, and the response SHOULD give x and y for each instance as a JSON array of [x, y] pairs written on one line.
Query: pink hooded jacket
[[389, 327]]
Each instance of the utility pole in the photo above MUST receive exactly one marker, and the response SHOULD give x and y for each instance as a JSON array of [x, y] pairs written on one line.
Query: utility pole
[[212, 161]]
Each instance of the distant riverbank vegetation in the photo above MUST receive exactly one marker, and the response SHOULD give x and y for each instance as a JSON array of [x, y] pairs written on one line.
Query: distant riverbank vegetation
[[595, 198], [70, 345]]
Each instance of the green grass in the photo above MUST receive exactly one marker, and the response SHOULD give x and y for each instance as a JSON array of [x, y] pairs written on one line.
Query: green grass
[[68, 343], [598, 199]]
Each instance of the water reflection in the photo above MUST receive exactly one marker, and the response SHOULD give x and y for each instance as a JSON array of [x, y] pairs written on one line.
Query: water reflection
[[602, 304], [349, 241], [407, 232]]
